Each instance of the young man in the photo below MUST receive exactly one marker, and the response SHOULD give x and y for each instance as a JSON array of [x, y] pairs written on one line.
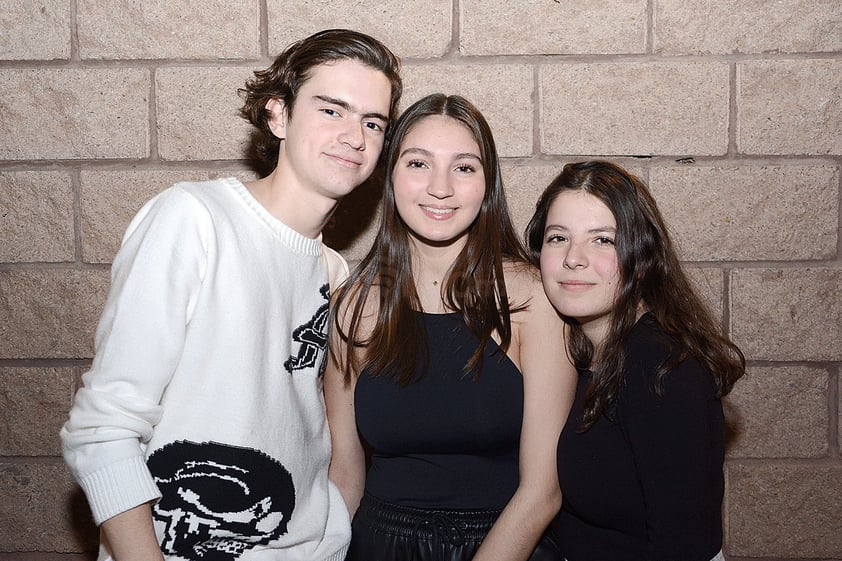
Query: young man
[[200, 432]]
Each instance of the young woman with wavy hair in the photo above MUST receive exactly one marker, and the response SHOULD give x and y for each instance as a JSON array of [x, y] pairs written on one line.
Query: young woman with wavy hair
[[640, 459], [447, 362]]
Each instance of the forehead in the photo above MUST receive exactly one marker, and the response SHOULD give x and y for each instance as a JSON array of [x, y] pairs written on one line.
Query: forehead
[[439, 133], [351, 81], [579, 207]]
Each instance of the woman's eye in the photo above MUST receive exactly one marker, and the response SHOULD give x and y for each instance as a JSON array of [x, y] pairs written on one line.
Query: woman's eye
[[555, 238], [604, 240], [465, 168], [415, 164]]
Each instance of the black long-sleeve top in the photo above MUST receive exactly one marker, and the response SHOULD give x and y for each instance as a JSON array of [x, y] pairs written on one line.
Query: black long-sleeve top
[[647, 485]]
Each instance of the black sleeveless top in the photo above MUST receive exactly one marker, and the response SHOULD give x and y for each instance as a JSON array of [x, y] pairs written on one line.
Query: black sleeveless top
[[446, 440]]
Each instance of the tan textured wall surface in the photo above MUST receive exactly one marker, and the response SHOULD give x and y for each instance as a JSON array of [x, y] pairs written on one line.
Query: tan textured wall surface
[[731, 110]]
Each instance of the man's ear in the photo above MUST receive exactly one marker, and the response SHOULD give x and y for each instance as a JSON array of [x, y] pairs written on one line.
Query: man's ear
[[277, 117]]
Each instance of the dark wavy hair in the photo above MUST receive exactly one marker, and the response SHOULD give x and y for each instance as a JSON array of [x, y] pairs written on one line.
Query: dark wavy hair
[[474, 287], [292, 68], [650, 275]]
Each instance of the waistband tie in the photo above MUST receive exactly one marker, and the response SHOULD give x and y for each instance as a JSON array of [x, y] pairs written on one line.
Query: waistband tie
[[443, 529]]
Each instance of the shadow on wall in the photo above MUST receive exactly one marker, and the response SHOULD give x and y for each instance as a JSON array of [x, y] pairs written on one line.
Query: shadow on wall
[[734, 425], [355, 213], [252, 156], [83, 531]]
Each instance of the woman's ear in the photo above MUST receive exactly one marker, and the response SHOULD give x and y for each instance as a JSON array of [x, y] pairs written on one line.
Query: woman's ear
[[277, 117]]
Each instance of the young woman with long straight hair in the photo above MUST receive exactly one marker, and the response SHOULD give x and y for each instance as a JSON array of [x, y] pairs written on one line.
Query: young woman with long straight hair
[[448, 361]]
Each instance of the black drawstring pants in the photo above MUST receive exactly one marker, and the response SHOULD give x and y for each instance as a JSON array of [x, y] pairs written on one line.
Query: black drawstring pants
[[383, 531]]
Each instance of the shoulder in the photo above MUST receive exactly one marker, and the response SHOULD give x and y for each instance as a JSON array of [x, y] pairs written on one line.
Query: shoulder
[[217, 196], [538, 346], [647, 341], [526, 293], [208, 190], [346, 303], [188, 196], [337, 267], [532, 312], [649, 347], [523, 282], [176, 210]]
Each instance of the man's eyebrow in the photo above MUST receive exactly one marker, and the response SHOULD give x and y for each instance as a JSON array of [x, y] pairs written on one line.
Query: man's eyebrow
[[347, 107]]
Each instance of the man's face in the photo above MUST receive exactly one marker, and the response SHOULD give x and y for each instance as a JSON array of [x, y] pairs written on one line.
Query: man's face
[[335, 132]]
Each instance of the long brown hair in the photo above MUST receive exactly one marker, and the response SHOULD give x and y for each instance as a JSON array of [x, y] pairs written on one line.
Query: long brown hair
[[650, 274], [474, 287]]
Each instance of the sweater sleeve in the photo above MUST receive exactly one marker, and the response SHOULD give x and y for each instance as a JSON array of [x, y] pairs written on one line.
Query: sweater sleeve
[[677, 443], [155, 281]]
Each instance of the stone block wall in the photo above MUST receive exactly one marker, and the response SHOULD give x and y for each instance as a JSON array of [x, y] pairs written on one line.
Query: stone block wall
[[731, 110]]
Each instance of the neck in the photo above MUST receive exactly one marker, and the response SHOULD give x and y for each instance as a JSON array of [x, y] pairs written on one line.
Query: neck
[[430, 267], [304, 212], [433, 262], [596, 334], [597, 331]]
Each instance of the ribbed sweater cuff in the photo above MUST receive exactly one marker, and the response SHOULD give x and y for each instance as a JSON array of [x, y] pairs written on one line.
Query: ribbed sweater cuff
[[118, 487], [338, 556]]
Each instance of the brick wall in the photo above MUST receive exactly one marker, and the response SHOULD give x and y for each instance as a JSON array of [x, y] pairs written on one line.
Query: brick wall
[[732, 110]]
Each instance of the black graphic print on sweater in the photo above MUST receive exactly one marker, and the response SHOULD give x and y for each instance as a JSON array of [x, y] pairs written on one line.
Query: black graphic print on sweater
[[219, 500], [313, 338]]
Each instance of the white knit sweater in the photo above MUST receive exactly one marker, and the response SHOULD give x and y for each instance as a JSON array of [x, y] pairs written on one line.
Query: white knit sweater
[[206, 390]]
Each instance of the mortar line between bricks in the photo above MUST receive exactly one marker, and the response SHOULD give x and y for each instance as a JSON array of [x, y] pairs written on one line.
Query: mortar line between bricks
[[45, 362], [76, 189], [453, 50], [264, 29], [733, 117], [75, 54], [833, 412]]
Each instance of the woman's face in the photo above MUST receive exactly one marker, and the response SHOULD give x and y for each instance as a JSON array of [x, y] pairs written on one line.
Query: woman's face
[[439, 181], [579, 265]]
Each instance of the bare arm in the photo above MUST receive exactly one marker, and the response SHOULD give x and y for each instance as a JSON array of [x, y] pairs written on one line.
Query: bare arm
[[347, 461], [131, 536], [549, 384]]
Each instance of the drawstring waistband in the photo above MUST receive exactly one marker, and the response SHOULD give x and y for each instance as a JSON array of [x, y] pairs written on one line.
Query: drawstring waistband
[[439, 525], [442, 527]]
